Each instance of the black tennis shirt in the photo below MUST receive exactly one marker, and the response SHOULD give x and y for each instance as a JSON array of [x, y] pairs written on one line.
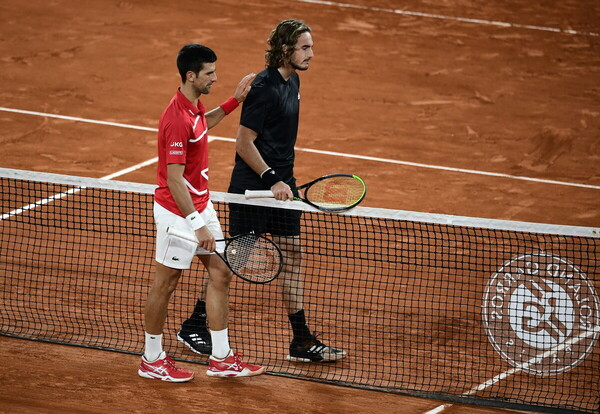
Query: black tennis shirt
[[271, 109]]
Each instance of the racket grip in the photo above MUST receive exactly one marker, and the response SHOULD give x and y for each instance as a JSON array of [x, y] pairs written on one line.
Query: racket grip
[[259, 194], [181, 235]]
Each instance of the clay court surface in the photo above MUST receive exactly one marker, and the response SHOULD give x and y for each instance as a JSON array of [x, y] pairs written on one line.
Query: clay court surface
[[398, 88]]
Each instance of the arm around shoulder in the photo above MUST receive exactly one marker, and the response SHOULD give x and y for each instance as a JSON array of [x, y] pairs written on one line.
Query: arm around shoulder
[[241, 92]]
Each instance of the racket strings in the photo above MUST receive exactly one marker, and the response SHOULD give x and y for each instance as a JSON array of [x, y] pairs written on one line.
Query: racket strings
[[336, 191], [254, 258]]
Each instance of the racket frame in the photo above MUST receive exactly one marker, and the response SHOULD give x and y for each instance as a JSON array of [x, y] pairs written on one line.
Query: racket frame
[[230, 240], [249, 194], [223, 256]]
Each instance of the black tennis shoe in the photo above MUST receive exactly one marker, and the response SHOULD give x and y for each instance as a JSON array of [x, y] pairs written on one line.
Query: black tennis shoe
[[199, 342], [313, 350]]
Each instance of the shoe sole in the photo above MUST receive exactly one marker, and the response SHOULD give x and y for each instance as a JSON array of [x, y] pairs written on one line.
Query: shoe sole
[[332, 358], [231, 374], [191, 348], [144, 374]]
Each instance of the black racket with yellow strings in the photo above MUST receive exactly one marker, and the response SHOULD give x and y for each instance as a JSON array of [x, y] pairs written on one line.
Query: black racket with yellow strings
[[334, 192], [253, 257]]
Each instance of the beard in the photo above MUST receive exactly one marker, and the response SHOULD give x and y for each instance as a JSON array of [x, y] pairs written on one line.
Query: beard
[[298, 67], [203, 91]]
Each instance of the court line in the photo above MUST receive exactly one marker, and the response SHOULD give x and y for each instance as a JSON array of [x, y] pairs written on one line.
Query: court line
[[76, 190], [438, 409], [322, 152], [454, 18], [536, 359], [461, 170], [41, 202]]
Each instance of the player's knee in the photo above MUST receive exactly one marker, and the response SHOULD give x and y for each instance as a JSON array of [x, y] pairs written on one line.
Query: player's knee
[[166, 279], [220, 276], [220, 281]]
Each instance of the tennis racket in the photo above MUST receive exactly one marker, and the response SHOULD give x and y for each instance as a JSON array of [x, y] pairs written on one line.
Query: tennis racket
[[253, 257], [334, 192]]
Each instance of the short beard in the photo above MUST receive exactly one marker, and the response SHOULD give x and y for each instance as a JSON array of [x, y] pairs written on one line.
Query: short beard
[[293, 65], [204, 91]]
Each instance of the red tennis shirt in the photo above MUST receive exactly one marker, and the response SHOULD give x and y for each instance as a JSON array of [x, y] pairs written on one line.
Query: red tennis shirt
[[183, 139]]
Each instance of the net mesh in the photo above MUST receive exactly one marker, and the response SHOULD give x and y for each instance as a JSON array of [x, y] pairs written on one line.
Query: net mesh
[[448, 307]]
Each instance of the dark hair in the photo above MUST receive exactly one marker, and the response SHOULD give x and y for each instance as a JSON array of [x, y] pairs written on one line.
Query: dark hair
[[287, 33], [192, 57]]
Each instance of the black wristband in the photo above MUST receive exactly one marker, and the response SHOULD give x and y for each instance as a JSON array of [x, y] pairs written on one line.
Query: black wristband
[[270, 177]]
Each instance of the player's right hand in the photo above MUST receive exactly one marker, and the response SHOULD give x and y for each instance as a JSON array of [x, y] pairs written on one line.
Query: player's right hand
[[243, 87], [206, 240], [282, 191]]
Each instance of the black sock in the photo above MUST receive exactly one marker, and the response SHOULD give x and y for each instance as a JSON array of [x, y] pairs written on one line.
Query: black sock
[[198, 317], [298, 321]]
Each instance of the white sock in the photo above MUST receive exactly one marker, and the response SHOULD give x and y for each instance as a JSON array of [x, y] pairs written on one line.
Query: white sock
[[220, 344], [153, 347]]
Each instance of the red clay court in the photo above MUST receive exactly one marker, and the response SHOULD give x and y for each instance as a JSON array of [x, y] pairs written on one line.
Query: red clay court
[[466, 108]]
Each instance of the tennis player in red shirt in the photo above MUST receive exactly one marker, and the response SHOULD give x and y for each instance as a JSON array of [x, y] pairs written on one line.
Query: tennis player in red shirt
[[182, 203]]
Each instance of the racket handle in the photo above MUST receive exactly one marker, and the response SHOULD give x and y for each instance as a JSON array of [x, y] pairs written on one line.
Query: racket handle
[[181, 235], [259, 194]]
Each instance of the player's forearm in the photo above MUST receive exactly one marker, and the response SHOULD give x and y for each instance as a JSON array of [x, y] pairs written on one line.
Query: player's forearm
[[245, 148], [249, 153], [214, 117], [181, 195]]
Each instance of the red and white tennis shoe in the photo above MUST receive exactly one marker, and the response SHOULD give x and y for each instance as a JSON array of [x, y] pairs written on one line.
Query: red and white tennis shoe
[[232, 366], [164, 369]]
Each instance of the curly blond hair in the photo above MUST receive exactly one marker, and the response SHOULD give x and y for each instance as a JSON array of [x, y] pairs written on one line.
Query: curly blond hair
[[286, 33]]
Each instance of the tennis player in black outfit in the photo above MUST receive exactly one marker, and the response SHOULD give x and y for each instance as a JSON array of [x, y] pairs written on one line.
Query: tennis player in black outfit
[[265, 160]]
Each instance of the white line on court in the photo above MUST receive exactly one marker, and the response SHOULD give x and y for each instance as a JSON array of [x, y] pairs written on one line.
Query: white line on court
[[76, 190], [461, 170], [41, 202], [536, 359], [72, 118], [438, 409], [458, 19], [133, 168], [336, 154]]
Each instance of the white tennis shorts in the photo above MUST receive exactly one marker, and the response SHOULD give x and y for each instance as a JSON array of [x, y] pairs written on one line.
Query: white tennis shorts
[[177, 252]]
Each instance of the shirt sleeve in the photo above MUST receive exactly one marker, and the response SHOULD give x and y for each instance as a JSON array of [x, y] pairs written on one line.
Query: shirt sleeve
[[256, 107], [176, 134]]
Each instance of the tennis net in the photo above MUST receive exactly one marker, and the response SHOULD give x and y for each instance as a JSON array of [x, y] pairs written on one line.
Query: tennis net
[[473, 310]]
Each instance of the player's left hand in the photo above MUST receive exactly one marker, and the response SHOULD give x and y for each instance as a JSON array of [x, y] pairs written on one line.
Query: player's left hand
[[243, 87]]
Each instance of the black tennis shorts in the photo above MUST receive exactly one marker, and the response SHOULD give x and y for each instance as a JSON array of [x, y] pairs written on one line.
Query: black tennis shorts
[[245, 218]]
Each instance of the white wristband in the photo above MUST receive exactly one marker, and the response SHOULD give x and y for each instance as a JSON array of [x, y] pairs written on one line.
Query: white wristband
[[195, 220]]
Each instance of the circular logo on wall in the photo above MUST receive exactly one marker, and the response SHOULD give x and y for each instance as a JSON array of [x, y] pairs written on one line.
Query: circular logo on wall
[[541, 313]]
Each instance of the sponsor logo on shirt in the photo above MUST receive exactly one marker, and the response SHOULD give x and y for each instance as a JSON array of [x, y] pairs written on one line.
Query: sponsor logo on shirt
[[175, 152]]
